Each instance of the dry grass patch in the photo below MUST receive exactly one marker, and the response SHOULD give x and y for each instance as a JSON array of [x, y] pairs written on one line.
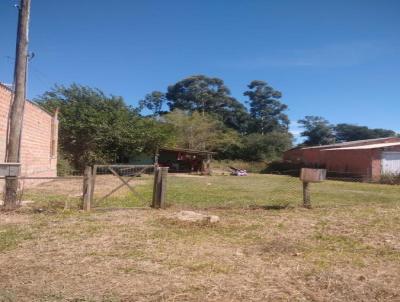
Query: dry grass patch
[[252, 255], [342, 250]]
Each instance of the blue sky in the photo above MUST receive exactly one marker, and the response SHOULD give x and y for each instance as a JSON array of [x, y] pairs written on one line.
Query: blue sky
[[337, 59]]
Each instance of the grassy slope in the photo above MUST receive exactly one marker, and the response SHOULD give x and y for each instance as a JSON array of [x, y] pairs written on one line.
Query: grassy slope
[[345, 249]]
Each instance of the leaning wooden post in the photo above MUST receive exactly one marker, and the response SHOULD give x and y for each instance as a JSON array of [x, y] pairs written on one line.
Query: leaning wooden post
[[160, 188], [308, 176], [87, 188]]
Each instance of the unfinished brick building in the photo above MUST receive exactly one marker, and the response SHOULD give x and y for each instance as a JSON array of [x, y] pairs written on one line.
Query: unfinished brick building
[[38, 155]]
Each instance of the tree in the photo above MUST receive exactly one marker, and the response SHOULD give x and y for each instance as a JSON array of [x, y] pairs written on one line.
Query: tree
[[257, 147], [96, 128], [235, 116], [207, 95], [195, 131], [266, 110], [317, 130], [197, 93], [349, 132], [154, 102], [383, 133]]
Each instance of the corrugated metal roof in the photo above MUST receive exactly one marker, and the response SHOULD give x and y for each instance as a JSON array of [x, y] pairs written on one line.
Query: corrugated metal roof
[[364, 147], [344, 144], [350, 143]]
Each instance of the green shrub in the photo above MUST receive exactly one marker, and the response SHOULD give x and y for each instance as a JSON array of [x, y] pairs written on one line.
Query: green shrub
[[390, 178], [64, 166], [283, 167]]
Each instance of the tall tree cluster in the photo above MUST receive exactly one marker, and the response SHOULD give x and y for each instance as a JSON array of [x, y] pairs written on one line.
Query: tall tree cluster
[[267, 112], [264, 122], [319, 131], [208, 95], [349, 132], [197, 112]]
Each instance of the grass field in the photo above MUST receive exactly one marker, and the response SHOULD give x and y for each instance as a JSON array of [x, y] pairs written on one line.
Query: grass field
[[347, 248]]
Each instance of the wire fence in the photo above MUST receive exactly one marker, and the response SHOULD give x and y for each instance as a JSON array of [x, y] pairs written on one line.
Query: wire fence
[[393, 179], [276, 190], [226, 191], [114, 187], [48, 192], [342, 188]]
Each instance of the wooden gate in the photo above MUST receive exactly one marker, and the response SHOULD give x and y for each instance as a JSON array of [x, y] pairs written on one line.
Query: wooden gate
[[104, 180]]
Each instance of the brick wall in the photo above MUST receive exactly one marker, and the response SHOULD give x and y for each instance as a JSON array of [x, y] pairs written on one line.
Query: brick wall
[[40, 128], [355, 162], [364, 162]]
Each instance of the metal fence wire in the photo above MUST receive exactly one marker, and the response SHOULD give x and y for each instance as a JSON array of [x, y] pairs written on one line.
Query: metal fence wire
[[127, 186], [339, 190], [226, 191], [276, 190], [44, 193]]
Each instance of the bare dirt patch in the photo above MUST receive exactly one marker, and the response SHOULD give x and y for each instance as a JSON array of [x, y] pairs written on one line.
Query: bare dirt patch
[[11, 218]]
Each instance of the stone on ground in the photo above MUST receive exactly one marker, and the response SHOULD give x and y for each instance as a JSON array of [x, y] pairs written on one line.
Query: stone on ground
[[191, 216]]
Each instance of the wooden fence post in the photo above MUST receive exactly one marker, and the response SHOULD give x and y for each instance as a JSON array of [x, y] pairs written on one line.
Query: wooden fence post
[[308, 176], [93, 183], [155, 186], [306, 195], [160, 188], [87, 188], [163, 188]]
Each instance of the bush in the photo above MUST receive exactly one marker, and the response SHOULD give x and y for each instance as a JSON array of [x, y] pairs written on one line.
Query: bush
[[390, 178], [257, 147], [283, 167], [64, 166]]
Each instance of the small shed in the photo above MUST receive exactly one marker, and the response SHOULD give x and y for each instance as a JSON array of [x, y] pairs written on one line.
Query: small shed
[[177, 159], [185, 160]]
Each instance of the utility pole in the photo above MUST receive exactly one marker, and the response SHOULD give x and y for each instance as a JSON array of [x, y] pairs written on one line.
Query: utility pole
[[17, 107]]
